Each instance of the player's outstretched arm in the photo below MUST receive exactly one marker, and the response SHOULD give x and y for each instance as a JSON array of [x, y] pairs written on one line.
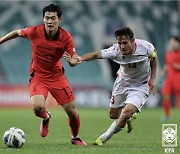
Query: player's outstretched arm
[[74, 60], [12, 35], [91, 56], [152, 81]]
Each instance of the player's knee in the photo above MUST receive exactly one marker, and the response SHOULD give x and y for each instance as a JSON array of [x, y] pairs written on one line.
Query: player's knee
[[37, 104], [126, 114], [113, 115], [37, 110]]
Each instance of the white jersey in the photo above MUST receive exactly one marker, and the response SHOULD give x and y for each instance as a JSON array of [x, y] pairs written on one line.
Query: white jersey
[[134, 67], [131, 85]]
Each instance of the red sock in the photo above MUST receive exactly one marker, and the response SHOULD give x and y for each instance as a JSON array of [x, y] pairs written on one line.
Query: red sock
[[166, 106], [74, 124], [43, 114], [177, 103]]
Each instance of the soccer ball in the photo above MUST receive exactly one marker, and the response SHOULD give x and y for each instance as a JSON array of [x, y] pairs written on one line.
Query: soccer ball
[[14, 137]]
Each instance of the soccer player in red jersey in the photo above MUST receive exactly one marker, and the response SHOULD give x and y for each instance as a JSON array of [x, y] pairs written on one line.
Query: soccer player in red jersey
[[172, 68], [49, 42]]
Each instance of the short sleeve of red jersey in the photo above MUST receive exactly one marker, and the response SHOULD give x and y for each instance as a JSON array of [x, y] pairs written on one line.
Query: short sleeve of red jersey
[[27, 32], [69, 47]]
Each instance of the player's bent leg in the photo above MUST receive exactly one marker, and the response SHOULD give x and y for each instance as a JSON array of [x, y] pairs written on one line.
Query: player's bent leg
[[44, 127], [74, 123], [113, 129], [38, 103], [126, 114], [129, 125], [116, 126], [114, 113]]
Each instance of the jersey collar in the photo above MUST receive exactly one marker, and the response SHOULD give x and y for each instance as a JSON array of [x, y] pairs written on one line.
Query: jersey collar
[[56, 36]]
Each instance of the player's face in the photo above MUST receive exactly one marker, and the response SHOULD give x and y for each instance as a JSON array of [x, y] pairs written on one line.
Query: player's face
[[51, 22], [174, 44], [126, 45]]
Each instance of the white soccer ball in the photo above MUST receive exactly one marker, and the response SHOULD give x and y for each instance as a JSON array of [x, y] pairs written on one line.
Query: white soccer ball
[[14, 137]]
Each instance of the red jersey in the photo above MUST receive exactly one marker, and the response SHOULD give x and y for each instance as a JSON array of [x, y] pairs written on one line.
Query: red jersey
[[171, 58], [46, 54]]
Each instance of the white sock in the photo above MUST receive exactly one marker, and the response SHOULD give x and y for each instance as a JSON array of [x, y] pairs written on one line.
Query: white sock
[[113, 129], [47, 116], [74, 137]]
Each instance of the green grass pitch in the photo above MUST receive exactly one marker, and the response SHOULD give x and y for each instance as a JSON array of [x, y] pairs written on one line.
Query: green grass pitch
[[145, 138]]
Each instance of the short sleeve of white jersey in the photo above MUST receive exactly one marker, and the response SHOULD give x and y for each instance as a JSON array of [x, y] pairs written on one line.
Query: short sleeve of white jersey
[[110, 52], [151, 51]]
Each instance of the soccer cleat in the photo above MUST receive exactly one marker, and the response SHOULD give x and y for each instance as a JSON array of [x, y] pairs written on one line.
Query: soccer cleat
[[98, 142], [134, 116], [165, 118], [78, 141], [129, 125], [44, 126]]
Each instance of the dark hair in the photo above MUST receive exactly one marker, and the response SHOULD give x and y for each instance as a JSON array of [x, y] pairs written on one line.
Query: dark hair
[[175, 37], [52, 8], [124, 31]]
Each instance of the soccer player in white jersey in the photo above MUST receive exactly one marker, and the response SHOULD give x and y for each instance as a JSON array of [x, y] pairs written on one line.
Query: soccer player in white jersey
[[136, 78]]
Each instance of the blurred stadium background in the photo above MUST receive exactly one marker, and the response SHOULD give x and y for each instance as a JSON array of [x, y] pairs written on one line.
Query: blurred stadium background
[[92, 25]]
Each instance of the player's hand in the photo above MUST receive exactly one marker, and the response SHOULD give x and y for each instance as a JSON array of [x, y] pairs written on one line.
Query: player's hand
[[162, 73], [73, 61], [176, 66], [152, 86], [67, 56], [77, 58]]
